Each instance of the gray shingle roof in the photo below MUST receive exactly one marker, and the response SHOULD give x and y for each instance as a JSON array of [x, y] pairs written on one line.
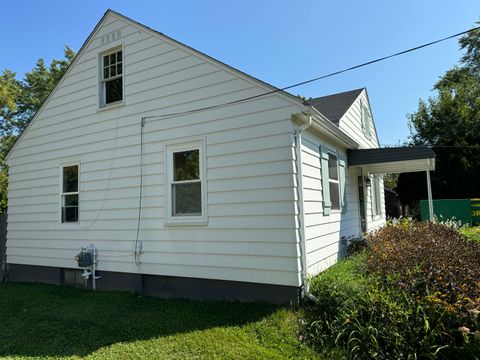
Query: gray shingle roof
[[383, 155], [336, 105]]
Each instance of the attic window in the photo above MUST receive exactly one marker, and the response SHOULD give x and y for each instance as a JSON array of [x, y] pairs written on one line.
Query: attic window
[[112, 77], [366, 120]]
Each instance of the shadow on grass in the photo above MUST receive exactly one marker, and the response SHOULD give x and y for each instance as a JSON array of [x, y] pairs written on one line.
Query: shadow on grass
[[47, 320]]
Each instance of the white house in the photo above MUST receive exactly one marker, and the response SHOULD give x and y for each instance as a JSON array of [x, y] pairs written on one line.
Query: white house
[[145, 150]]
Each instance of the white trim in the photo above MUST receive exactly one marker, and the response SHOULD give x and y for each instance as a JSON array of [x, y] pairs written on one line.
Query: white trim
[[62, 194], [170, 149]]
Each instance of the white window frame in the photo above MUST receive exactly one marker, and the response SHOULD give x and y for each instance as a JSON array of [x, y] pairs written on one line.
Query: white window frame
[[376, 197], [102, 82], [335, 181], [62, 194], [170, 149]]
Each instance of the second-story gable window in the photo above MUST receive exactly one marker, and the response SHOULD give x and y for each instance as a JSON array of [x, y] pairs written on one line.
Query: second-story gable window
[[366, 119], [112, 77]]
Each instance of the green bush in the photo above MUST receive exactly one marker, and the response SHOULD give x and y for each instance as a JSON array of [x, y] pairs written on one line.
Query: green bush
[[414, 293], [429, 260]]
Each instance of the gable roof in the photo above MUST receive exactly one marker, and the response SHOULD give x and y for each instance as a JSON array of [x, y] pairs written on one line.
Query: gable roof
[[269, 89], [336, 105]]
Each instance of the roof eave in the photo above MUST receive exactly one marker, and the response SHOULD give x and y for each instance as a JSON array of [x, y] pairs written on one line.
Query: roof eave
[[329, 129]]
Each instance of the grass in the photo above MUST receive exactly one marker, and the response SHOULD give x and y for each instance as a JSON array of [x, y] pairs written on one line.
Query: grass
[[53, 322], [473, 233]]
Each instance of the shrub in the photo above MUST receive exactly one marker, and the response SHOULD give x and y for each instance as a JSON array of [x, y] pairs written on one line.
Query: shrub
[[414, 293], [429, 260], [354, 244]]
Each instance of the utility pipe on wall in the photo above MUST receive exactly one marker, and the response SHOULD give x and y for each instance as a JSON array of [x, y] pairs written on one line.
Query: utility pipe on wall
[[298, 161]]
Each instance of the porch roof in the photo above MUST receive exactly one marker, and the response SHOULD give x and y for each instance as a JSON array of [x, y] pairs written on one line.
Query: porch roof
[[393, 160]]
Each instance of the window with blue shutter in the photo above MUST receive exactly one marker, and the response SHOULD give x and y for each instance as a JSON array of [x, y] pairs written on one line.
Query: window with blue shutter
[[333, 169], [343, 185]]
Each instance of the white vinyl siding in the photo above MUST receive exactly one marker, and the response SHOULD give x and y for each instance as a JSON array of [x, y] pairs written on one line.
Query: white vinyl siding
[[351, 123], [251, 233], [364, 133], [323, 233], [366, 119]]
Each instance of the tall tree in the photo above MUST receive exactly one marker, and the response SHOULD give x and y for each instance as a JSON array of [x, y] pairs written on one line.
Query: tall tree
[[449, 122], [20, 100]]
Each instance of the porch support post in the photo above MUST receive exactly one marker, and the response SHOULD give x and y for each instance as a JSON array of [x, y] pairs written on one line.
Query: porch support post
[[430, 200]]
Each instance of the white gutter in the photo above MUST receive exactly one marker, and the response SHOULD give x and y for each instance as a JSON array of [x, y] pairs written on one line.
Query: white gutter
[[307, 122]]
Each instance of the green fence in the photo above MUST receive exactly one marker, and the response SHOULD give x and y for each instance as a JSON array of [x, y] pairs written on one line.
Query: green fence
[[460, 209], [476, 211]]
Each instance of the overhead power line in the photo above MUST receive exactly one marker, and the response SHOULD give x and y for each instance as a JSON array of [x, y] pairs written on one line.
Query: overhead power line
[[386, 146], [211, 107]]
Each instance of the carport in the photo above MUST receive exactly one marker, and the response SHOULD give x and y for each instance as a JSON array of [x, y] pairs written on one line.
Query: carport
[[396, 160]]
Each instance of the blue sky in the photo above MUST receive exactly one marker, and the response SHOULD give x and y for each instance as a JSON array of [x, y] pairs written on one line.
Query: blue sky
[[281, 42]]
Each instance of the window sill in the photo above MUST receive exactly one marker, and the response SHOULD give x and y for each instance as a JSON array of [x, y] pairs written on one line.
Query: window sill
[[69, 224], [186, 222], [111, 106]]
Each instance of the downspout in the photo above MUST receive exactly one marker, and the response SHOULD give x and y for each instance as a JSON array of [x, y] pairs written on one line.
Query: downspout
[[298, 159]]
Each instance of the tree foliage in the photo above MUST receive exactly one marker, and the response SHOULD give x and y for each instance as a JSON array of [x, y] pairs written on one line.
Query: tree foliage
[[449, 122], [20, 100]]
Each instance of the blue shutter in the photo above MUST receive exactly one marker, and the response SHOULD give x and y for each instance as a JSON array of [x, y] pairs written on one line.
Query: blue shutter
[[343, 186], [327, 205]]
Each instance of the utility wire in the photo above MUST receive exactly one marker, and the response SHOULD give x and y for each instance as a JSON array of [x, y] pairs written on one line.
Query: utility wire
[[211, 107], [386, 146]]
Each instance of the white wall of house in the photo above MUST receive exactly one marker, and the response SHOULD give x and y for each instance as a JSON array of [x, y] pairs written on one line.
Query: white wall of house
[[251, 230], [252, 223], [374, 221], [351, 123], [323, 232]]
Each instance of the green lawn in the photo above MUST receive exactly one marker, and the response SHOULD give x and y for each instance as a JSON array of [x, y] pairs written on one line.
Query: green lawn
[[43, 321], [472, 233]]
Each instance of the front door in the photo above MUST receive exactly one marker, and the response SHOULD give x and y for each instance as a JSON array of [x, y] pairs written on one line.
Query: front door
[[361, 204]]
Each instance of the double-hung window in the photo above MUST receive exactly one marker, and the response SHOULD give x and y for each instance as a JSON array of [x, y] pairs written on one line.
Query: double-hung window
[[333, 181], [112, 77], [185, 183], [376, 195], [69, 196]]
